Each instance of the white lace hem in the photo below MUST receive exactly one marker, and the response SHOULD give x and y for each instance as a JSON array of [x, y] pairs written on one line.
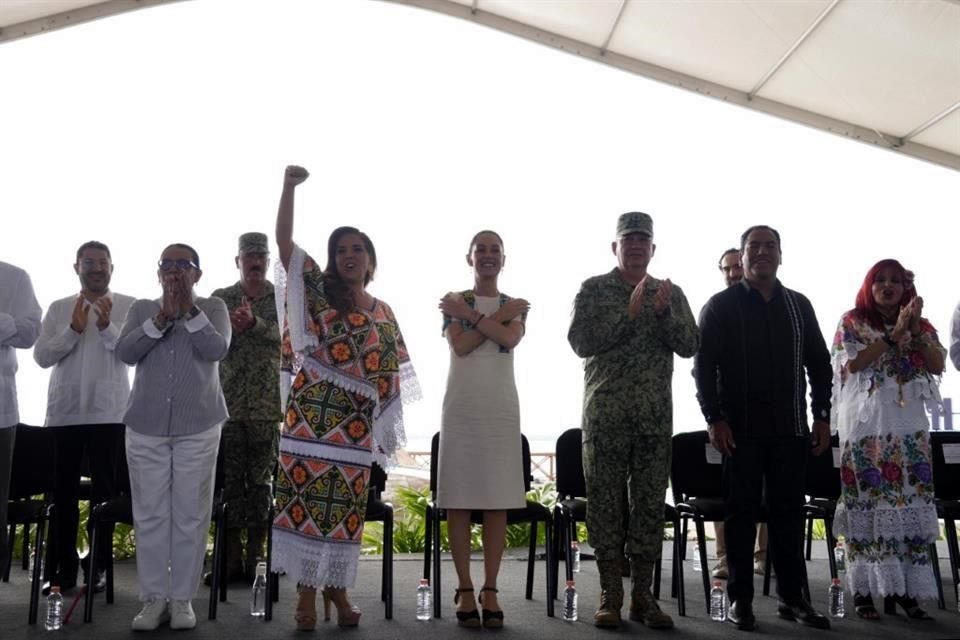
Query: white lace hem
[[892, 577], [313, 562], [916, 523]]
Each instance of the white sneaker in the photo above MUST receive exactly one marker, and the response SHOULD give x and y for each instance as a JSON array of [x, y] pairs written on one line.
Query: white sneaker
[[182, 615], [153, 614]]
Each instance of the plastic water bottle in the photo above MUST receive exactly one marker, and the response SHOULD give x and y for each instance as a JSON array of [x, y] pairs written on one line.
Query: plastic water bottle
[[258, 592], [54, 619], [836, 599], [570, 602], [424, 601], [696, 558], [575, 554], [718, 602], [840, 557]]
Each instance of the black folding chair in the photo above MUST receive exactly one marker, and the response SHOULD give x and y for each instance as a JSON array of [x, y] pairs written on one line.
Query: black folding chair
[[571, 507], [946, 490], [30, 478], [533, 514], [822, 487], [696, 475], [120, 510]]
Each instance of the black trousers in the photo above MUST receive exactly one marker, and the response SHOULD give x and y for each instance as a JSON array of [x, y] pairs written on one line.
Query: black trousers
[[102, 446], [777, 465]]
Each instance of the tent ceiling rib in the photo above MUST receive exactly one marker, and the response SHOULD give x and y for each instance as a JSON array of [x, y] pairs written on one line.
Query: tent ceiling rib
[[796, 45], [879, 71]]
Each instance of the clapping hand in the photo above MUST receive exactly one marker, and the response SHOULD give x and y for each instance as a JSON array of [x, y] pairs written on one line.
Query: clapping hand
[[102, 307], [78, 321], [242, 317]]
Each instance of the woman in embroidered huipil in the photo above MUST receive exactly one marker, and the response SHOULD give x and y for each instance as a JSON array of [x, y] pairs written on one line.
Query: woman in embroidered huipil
[[480, 466], [887, 361], [349, 374]]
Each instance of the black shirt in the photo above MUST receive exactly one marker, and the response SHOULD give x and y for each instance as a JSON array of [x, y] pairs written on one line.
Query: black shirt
[[753, 362]]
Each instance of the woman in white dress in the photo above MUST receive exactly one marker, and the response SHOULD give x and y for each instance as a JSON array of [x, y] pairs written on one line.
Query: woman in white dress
[[480, 450], [887, 365]]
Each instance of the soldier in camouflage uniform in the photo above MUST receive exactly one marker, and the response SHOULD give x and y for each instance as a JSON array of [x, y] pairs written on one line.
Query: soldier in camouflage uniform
[[627, 325], [249, 376]]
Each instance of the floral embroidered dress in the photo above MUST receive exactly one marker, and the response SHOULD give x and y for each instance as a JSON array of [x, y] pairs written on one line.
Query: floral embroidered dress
[[347, 379], [886, 509]]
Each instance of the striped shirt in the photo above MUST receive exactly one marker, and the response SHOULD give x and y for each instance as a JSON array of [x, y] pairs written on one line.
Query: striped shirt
[[176, 388]]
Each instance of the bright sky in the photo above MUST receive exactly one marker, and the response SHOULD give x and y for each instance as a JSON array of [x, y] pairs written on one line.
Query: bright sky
[[174, 124]]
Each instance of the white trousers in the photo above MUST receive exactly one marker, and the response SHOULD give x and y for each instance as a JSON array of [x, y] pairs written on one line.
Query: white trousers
[[171, 484]]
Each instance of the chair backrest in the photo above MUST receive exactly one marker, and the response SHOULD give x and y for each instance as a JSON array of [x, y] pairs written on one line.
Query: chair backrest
[[823, 478], [33, 470], [570, 482], [378, 480], [946, 475], [435, 456], [690, 473]]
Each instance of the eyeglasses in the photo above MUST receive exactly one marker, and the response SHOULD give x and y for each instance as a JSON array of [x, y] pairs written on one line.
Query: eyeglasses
[[169, 265]]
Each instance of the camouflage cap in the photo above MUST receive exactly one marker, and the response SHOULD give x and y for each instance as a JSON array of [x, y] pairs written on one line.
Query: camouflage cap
[[254, 242], [634, 222]]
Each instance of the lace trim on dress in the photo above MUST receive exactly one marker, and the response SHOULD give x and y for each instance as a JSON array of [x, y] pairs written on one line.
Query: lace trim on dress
[[312, 562], [892, 577], [917, 523]]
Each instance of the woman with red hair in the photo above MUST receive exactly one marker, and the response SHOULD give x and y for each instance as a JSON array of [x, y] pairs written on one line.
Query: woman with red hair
[[887, 362]]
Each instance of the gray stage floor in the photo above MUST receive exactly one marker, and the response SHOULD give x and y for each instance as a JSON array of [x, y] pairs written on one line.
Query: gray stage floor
[[524, 618]]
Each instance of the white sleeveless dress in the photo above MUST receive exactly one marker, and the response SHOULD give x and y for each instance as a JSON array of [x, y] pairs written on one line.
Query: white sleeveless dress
[[480, 451]]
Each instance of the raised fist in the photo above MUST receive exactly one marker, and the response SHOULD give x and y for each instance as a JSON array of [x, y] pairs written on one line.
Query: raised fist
[[294, 175]]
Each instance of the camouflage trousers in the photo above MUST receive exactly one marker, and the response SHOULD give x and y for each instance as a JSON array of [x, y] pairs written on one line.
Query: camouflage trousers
[[625, 474], [249, 459]]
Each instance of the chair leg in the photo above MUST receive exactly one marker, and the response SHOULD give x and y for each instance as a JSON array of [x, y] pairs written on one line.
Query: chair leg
[[768, 563], [388, 564], [677, 580], [935, 562], [704, 568], [35, 579], [953, 548], [437, 596], [427, 541], [11, 536], [531, 559], [683, 540], [831, 543], [95, 543], [273, 580], [25, 548], [550, 550], [657, 569], [809, 538]]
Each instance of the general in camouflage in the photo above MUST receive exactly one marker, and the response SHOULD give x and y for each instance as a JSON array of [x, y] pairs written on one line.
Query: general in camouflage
[[627, 425], [250, 379]]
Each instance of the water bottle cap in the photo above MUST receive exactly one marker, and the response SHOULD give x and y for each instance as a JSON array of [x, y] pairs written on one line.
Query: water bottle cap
[[424, 582], [570, 583], [717, 583], [261, 568], [54, 589], [835, 582], [839, 543]]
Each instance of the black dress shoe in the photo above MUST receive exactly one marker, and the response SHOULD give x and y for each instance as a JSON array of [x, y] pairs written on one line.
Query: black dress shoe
[[741, 615], [805, 613]]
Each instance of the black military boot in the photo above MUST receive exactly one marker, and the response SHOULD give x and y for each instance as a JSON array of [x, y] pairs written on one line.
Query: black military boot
[[643, 606], [607, 614]]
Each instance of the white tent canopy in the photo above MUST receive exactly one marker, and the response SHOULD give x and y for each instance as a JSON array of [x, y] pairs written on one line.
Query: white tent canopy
[[883, 72]]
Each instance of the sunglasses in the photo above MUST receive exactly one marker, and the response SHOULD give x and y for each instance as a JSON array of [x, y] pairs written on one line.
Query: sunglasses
[[168, 264]]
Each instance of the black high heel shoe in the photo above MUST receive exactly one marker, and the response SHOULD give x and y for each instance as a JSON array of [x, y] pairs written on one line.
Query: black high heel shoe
[[468, 619], [910, 607], [491, 619]]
